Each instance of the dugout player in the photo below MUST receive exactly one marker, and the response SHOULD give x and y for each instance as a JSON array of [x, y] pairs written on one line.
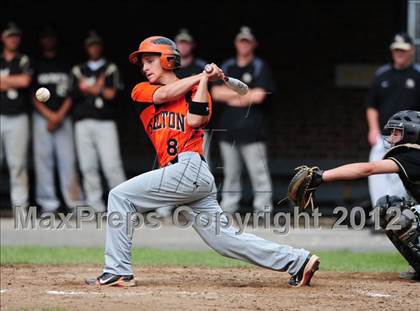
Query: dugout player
[[244, 125], [402, 131], [174, 112], [396, 87], [190, 65], [53, 129], [16, 76], [95, 88]]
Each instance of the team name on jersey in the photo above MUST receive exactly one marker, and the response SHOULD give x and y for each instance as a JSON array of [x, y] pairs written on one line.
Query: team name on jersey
[[52, 78], [168, 120]]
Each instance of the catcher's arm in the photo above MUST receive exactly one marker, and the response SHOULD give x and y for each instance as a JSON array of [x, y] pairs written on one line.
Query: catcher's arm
[[360, 170], [302, 187]]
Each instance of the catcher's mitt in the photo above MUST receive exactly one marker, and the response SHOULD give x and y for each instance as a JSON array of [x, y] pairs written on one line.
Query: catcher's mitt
[[303, 185]]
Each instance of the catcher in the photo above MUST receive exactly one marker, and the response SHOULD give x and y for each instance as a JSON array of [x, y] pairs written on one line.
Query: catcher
[[403, 135]]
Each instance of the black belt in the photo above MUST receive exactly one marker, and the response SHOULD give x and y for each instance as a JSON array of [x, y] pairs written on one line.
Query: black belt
[[175, 160]]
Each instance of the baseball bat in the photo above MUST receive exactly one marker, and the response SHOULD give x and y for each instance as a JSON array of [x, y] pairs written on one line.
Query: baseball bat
[[234, 84]]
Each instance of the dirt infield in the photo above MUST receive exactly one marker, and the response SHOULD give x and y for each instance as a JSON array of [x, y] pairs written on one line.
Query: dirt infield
[[61, 287]]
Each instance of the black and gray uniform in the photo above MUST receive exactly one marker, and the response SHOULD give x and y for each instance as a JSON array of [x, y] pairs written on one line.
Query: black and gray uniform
[[14, 129], [407, 240], [53, 74], [407, 157], [244, 136], [96, 131], [393, 90], [195, 67]]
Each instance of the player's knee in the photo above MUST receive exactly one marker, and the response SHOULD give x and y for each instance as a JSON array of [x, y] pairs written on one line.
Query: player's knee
[[396, 210], [387, 206], [114, 198]]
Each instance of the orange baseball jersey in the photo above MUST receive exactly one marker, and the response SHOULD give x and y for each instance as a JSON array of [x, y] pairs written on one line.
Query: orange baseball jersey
[[166, 124]]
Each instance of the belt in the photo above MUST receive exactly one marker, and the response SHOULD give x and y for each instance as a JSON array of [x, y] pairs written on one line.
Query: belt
[[175, 160]]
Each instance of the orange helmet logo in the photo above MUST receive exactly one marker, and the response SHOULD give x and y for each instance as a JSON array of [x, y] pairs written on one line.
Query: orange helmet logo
[[169, 56]]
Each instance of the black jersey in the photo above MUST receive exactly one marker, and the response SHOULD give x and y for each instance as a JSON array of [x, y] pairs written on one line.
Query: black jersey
[[247, 124], [53, 74], [15, 101], [89, 106], [394, 90], [196, 67], [407, 157]]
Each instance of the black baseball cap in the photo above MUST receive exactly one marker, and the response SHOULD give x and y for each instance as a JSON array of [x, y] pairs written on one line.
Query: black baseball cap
[[401, 41], [48, 32], [184, 35], [93, 38], [245, 33]]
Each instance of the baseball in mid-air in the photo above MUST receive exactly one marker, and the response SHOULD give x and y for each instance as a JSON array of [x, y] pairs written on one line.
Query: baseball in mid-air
[[42, 94]]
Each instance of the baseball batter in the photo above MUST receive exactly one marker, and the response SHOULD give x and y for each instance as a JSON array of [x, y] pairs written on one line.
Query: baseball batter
[[173, 114]]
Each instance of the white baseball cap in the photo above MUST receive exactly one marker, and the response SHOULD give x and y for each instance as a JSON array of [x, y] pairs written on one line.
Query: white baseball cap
[[402, 41]]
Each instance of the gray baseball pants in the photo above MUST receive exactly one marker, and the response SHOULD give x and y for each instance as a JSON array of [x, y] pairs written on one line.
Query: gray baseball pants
[[48, 147], [255, 158], [14, 140], [97, 144], [188, 182]]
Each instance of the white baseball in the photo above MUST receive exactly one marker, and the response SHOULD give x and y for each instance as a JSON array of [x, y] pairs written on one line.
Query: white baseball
[[42, 94]]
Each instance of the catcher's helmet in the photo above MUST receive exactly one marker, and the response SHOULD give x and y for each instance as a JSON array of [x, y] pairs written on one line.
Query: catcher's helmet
[[169, 56], [409, 122]]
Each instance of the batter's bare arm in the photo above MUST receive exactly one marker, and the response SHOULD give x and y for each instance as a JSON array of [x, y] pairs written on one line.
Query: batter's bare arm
[[175, 89], [201, 96]]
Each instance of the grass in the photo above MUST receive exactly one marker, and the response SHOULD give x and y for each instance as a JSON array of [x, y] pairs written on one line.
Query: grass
[[331, 260]]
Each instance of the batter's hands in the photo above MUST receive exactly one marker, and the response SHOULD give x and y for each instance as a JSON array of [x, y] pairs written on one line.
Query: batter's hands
[[213, 72]]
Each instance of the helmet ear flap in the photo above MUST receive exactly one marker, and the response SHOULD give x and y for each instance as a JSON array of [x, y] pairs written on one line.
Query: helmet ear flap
[[170, 62]]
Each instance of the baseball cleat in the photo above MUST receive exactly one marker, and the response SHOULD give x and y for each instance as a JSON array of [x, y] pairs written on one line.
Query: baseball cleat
[[305, 274], [410, 274], [109, 279]]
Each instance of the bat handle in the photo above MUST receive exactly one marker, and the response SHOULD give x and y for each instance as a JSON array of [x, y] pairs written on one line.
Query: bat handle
[[208, 68]]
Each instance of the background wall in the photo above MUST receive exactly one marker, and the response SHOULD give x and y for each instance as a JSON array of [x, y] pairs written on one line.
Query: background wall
[[312, 120]]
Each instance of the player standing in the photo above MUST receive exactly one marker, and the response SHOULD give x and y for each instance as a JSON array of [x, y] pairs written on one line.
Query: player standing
[[244, 120], [173, 114], [53, 139], [396, 87], [190, 65], [15, 77], [95, 88]]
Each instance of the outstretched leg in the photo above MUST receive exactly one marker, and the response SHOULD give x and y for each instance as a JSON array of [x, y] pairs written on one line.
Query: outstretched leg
[[245, 246]]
